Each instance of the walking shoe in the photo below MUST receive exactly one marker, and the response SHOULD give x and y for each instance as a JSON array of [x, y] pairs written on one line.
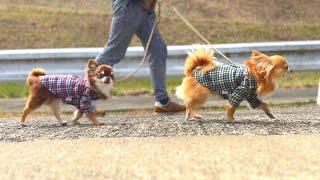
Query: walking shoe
[[171, 107]]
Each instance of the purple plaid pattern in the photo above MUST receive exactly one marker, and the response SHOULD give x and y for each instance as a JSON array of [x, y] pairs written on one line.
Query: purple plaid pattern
[[71, 90]]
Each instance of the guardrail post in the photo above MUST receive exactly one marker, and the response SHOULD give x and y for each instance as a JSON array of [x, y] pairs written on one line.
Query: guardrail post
[[318, 100]]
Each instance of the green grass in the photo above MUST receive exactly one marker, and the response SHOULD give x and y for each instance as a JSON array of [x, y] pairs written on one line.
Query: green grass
[[142, 86], [12, 90], [299, 80]]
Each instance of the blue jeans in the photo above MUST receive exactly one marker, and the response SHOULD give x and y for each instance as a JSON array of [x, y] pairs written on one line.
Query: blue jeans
[[129, 19]]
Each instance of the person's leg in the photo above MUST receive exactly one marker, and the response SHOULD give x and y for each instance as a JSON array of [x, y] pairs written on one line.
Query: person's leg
[[156, 55], [126, 19]]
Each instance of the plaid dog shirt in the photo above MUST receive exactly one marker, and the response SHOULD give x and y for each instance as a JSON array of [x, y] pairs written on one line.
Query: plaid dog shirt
[[231, 83], [71, 90]]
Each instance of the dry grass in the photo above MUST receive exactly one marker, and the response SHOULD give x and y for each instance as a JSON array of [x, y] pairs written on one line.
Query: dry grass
[[240, 157], [82, 23]]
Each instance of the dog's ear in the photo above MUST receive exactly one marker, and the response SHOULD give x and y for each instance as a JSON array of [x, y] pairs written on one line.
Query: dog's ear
[[91, 67], [258, 56], [92, 64], [255, 53]]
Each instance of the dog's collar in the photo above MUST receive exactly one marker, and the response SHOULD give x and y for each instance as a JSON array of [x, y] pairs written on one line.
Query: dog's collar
[[252, 82], [94, 94], [246, 73]]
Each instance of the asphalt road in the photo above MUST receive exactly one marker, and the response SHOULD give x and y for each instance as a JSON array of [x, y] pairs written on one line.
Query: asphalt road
[[290, 120]]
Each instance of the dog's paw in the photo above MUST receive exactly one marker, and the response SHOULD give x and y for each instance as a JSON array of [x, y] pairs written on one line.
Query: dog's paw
[[99, 123], [63, 123], [270, 115], [230, 120], [192, 119], [198, 117], [75, 123], [23, 125]]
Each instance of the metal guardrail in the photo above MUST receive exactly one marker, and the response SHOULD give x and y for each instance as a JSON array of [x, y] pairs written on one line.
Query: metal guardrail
[[15, 64]]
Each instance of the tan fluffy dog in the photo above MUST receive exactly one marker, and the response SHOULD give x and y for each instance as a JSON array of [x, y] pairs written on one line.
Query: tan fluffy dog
[[264, 69]]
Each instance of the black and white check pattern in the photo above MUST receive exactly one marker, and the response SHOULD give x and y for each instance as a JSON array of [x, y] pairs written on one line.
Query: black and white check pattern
[[231, 82]]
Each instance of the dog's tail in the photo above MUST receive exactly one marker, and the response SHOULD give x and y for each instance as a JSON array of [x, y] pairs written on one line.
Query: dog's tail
[[200, 57], [203, 58], [32, 77]]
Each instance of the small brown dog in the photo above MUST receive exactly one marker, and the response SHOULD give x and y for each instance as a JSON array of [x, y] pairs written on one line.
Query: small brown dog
[[78, 91], [204, 75]]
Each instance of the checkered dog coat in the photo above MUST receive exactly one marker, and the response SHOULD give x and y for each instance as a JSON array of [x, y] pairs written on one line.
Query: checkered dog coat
[[71, 90], [231, 82]]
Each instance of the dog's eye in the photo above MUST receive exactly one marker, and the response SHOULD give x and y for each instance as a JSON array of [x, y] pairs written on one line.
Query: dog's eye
[[99, 75]]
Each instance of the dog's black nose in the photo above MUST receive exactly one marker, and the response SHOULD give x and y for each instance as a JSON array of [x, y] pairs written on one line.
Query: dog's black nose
[[107, 81]]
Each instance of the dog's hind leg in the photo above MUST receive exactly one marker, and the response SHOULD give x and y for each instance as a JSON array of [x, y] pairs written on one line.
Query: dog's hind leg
[[54, 104], [33, 103], [196, 100], [93, 118], [25, 112], [230, 112], [188, 112], [191, 113], [77, 114]]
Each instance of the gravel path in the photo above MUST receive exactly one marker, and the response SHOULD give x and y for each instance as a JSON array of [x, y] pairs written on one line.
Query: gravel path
[[290, 120]]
